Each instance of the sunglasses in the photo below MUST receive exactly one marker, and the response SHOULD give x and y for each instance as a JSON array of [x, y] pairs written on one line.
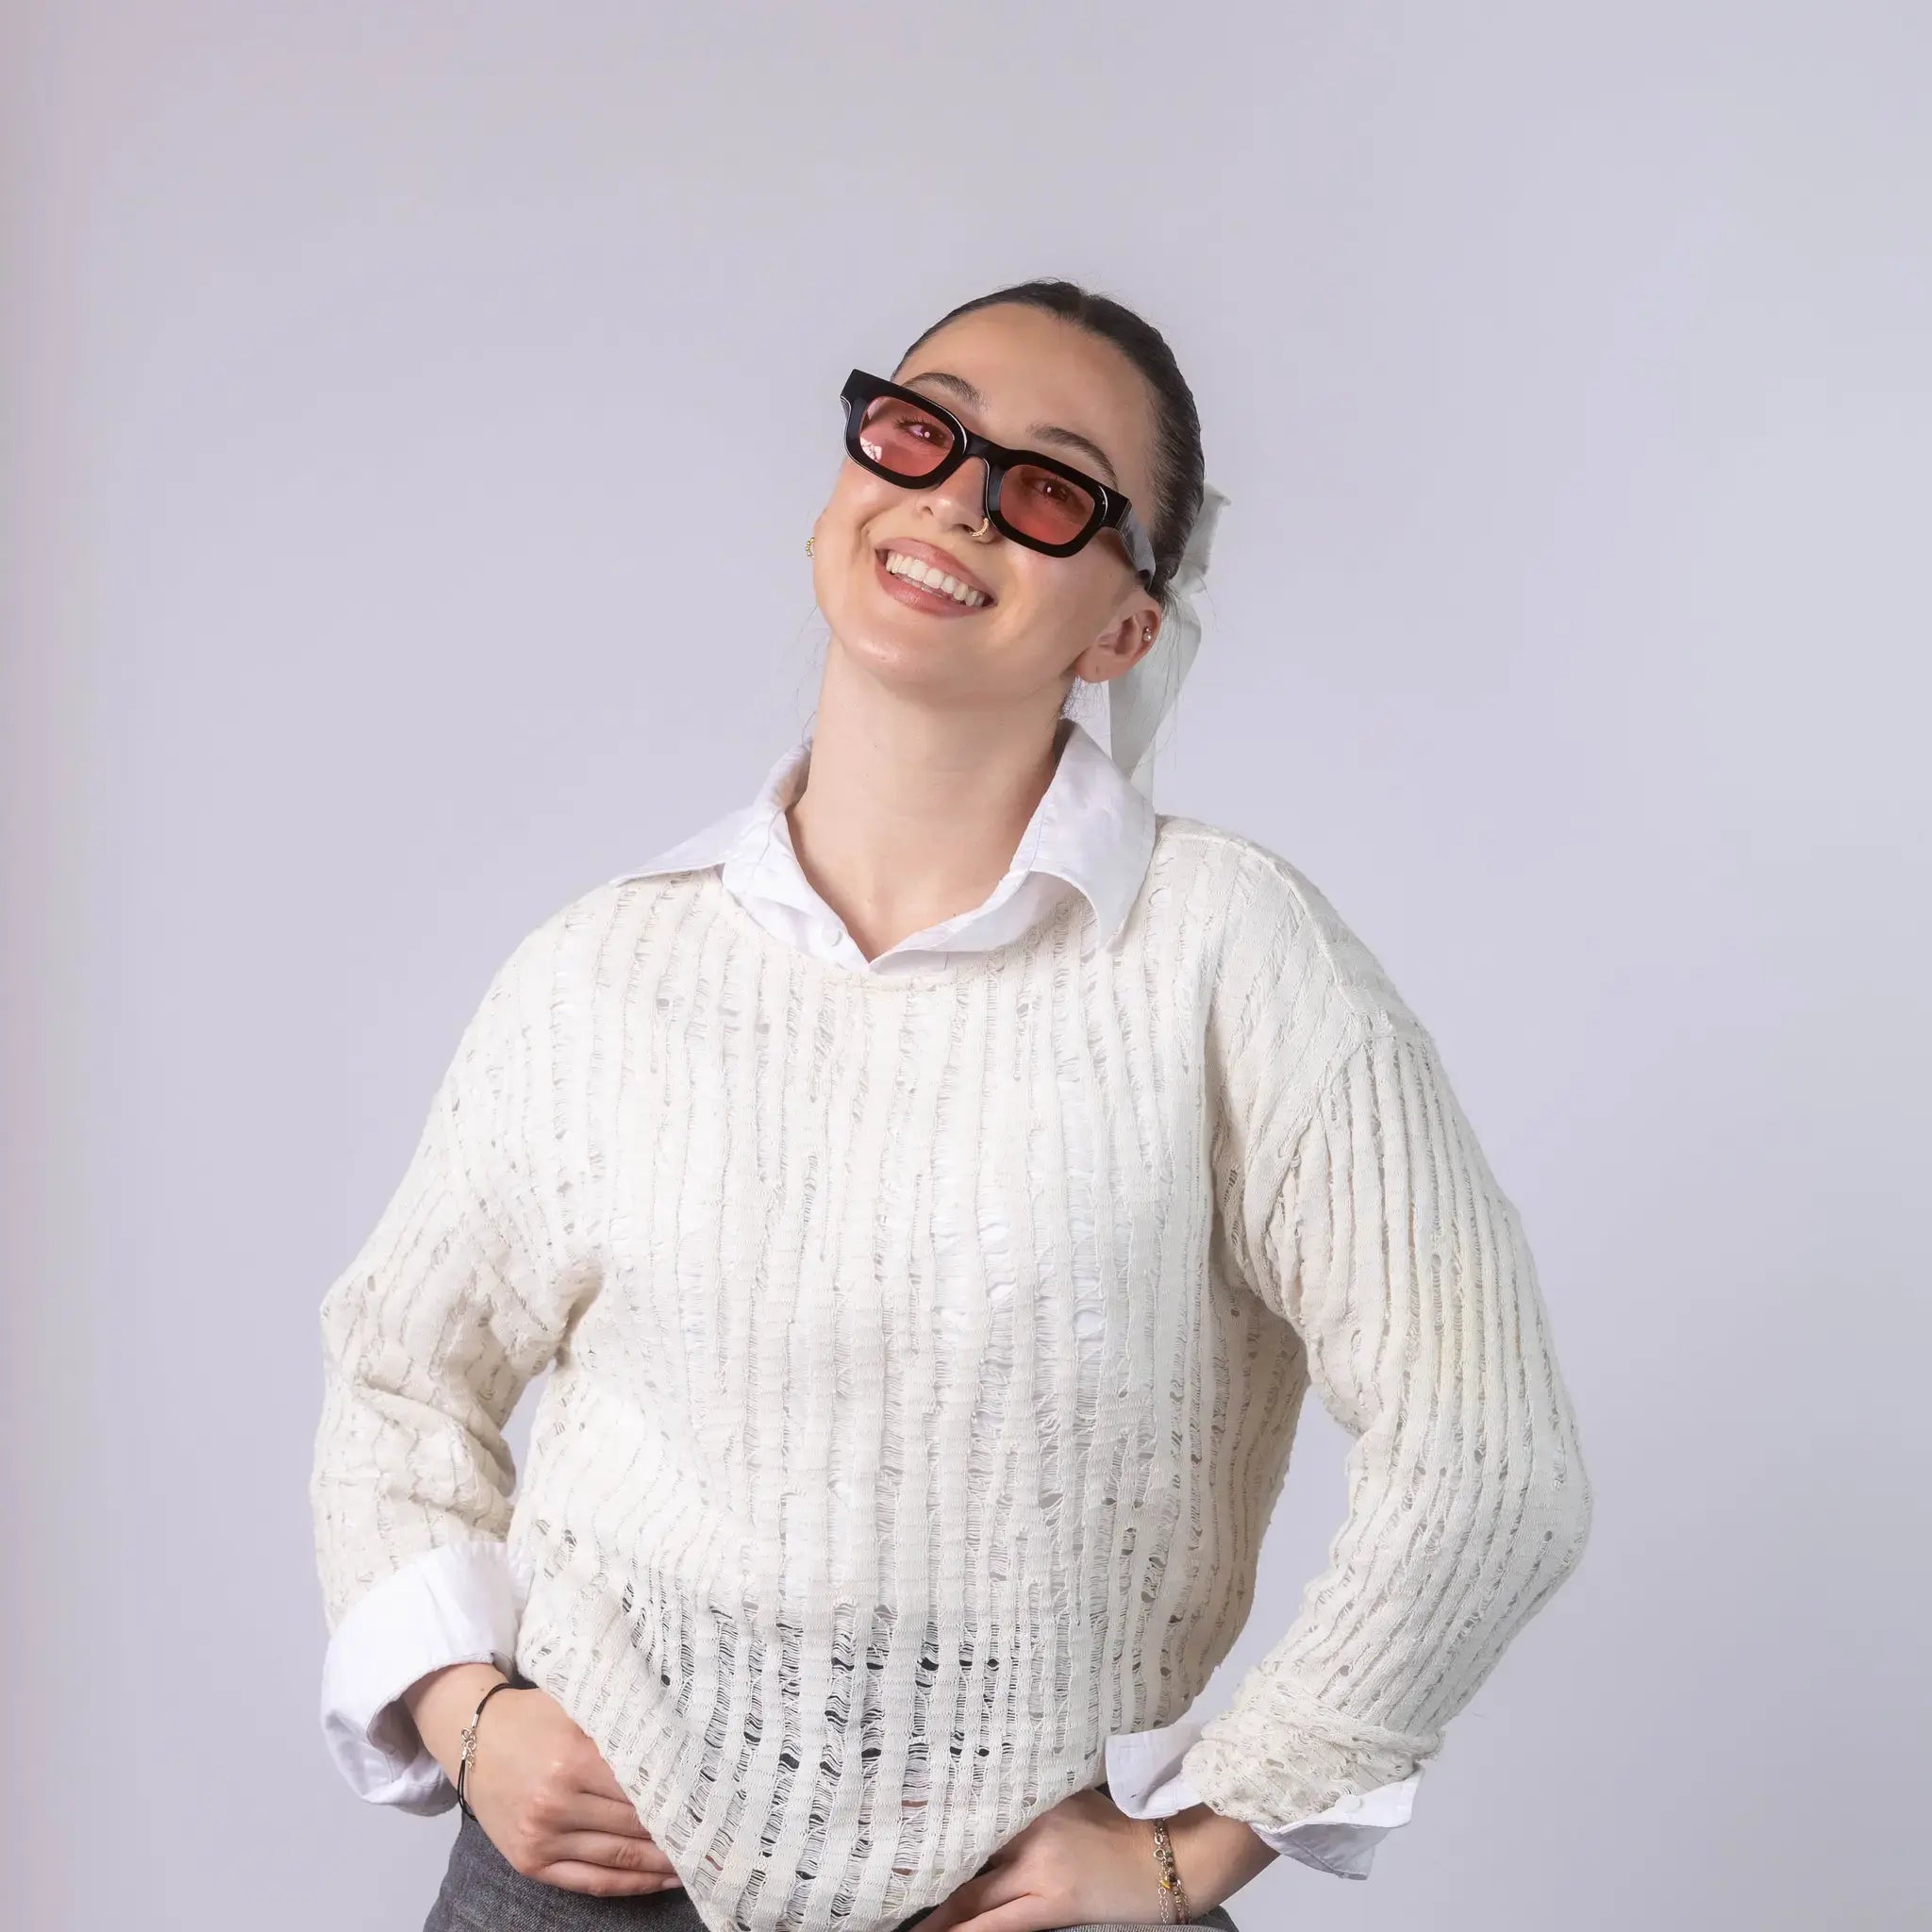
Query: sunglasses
[[909, 440]]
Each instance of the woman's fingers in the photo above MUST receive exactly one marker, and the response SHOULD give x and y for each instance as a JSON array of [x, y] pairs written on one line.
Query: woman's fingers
[[619, 1853], [592, 1812], [596, 1778], [552, 1806], [596, 1798], [602, 1881]]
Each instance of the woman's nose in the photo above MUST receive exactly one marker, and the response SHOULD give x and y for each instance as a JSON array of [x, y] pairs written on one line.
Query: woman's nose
[[960, 500]]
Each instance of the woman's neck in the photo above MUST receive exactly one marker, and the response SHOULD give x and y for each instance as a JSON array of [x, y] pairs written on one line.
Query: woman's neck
[[899, 829]]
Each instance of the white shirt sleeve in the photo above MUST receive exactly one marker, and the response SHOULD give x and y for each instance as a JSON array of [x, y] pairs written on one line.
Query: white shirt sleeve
[[1146, 1780], [460, 1603]]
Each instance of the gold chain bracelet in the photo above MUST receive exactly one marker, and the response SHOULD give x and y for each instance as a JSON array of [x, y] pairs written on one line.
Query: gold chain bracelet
[[1174, 1895]]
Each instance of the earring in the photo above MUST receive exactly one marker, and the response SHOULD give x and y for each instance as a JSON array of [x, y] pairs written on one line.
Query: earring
[[807, 546]]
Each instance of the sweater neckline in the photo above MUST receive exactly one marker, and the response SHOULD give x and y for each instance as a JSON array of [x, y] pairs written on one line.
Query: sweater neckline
[[952, 968]]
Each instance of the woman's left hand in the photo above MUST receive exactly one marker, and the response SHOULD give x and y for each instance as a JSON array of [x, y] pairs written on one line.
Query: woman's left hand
[[1087, 1862]]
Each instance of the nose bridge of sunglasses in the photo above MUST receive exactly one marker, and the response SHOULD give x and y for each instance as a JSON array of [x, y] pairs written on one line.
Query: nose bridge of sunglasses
[[972, 485]]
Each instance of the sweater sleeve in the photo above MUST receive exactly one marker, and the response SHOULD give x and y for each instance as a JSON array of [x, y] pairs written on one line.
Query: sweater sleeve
[[457, 1297], [1380, 1233]]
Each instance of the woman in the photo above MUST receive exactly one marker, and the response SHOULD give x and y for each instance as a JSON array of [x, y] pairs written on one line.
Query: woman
[[935, 1189]]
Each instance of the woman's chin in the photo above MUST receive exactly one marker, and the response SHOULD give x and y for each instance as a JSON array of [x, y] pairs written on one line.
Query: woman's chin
[[901, 651]]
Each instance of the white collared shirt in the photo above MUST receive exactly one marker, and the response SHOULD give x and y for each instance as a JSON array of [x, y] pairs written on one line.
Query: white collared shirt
[[1092, 832]]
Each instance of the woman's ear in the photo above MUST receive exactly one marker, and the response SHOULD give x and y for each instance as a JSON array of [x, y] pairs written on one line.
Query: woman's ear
[[1121, 646]]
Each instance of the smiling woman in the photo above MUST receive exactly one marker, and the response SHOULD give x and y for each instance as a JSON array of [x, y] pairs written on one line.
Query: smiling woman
[[1038, 447], [929, 578], [933, 1187]]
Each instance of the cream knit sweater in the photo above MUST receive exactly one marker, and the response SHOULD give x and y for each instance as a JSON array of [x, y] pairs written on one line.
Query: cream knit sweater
[[927, 1352]]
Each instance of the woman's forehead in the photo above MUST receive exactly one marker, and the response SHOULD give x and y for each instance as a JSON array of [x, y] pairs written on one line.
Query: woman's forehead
[[1059, 389], [967, 399]]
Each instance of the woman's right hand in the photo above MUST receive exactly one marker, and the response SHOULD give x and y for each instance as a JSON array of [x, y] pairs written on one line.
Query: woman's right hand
[[539, 1787]]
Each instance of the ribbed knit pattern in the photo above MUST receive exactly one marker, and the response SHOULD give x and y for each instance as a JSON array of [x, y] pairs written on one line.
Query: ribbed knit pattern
[[927, 1352]]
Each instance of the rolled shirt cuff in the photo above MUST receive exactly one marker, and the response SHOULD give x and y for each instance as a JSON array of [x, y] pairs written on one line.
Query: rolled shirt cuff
[[1144, 1779], [460, 1603]]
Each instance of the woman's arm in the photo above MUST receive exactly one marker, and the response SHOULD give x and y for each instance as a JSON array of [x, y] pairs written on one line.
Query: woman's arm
[[1382, 1236], [461, 1293]]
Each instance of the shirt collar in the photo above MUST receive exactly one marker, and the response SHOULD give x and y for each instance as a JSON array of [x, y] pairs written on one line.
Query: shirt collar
[[1092, 827]]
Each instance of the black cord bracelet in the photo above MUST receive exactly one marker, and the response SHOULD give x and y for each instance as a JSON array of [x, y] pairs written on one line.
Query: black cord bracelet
[[470, 1742]]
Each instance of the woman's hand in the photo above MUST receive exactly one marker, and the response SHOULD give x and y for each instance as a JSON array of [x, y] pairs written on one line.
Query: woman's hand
[[1087, 1862], [543, 1794]]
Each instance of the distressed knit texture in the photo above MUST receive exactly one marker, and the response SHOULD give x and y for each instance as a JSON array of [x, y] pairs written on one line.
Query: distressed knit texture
[[925, 1354]]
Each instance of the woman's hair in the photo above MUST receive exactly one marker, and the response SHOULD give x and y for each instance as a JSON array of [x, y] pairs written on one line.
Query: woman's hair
[[1179, 469]]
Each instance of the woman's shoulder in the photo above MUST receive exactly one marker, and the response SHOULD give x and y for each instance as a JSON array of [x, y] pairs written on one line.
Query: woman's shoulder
[[1270, 922], [574, 937]]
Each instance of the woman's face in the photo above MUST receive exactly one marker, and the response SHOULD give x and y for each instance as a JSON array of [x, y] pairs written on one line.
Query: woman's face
[[1050, 617]]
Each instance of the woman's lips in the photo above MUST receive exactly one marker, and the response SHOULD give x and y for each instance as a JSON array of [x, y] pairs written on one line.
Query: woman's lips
[[939, 603]]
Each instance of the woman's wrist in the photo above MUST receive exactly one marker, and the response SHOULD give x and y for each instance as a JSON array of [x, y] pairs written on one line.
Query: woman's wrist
[[1216, 1856], [442, 1703]]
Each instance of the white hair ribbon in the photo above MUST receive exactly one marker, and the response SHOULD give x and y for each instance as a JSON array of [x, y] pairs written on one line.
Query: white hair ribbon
[[1141, 698]]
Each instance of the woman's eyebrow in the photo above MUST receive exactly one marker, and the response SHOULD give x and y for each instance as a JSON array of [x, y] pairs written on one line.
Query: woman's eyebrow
[[1041, 432]]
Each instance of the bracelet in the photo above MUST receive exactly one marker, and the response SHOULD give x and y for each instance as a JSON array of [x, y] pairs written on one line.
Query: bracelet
[[1174, 1895], [470, 1742]]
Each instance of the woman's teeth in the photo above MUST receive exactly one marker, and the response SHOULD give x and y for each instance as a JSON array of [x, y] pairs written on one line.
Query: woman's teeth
[[933, 578]]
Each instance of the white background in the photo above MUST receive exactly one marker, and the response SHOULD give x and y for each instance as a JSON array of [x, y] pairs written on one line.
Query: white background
[[413, 417]]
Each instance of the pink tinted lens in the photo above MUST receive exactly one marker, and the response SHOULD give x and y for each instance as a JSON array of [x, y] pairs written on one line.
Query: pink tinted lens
[[1044, 504], [909, 441]]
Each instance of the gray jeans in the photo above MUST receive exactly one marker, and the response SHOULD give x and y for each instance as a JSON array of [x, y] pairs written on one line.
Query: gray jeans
[[482, 1891]]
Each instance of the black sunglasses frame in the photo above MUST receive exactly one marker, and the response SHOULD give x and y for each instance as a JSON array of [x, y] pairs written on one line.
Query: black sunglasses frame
[[1111, 511]]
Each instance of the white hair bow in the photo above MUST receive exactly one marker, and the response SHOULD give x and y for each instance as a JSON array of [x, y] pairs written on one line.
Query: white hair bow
[[1138, 700]]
